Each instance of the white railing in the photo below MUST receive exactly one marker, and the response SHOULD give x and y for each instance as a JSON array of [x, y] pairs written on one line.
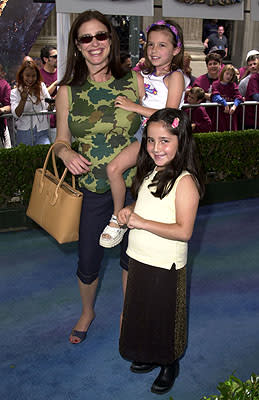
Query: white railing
[[12, 120], [229, 103], [9, 116]]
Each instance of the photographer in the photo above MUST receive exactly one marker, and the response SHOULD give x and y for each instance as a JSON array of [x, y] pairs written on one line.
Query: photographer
[[29, 96]]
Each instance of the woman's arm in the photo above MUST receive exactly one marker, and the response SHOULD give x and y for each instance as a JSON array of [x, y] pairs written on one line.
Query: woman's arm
[[5, 109], [76, 163], [186, 205]]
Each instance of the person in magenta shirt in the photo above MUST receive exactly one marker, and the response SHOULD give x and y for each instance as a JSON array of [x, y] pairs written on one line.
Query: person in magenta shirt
[[48, 72], [5, 90], [243, 70], [252, 94], [225, 90], [200, 119], [213, 63]]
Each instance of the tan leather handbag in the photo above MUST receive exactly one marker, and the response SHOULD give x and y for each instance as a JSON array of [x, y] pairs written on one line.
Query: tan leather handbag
[[54, 204]]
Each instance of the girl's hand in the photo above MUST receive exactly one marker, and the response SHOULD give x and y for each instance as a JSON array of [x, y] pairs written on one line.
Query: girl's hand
[[76, 163], [124, 103], [124, 214], [226, 110], [135, 221], [232, 109]]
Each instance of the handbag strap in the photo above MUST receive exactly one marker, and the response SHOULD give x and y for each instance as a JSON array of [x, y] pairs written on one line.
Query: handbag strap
[[51, 149], [54, 155]]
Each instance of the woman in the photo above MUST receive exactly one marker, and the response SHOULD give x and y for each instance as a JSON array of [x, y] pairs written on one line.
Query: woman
[[85, 110], [29, 96]]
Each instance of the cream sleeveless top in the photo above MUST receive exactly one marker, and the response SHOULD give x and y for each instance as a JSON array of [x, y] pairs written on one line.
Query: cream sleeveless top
[[147, 247]]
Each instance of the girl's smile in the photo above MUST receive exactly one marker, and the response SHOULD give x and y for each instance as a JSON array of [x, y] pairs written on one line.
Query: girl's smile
[[160, 49], [161, 145]]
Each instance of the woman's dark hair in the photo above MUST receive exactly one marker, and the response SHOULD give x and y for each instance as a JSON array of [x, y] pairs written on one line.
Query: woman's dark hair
[[76, 69], [37, 85], [185, 158], [177, 61]]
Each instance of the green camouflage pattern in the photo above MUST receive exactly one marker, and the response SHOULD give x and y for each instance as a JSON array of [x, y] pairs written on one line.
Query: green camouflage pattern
[[101, 129]]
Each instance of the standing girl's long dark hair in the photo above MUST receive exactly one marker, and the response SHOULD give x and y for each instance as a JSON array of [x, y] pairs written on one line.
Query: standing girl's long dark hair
[[185, 158]]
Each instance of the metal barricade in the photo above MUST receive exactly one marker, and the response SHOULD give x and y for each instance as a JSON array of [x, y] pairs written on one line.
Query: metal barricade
[[230, 103], [9, 116], [12, 120]]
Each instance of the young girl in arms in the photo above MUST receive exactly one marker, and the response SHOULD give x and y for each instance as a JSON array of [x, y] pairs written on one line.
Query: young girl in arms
[[167, 188], [224, 90], [164, 87]]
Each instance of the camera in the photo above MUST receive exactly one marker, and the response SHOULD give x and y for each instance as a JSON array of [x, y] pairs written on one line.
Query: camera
[[50, 101]]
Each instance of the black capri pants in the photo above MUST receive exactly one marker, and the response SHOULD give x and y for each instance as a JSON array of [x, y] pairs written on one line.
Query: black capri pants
[[95, 215]]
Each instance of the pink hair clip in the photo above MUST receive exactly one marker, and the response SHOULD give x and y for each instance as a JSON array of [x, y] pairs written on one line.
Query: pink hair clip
[[144, 122], [175, 122]]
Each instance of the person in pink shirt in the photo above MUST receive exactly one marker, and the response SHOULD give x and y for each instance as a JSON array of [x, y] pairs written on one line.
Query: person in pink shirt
[[252, 94], [225, 90], [48, 72], [200, 119], [5, 107], [244, 69], [205, 81]]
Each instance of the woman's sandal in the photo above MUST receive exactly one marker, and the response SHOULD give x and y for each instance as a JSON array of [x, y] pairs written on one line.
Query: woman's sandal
[[79, 334], [115, 234]]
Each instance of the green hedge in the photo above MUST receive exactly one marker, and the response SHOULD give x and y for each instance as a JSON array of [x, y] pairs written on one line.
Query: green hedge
[[229, 156], [225, 156]]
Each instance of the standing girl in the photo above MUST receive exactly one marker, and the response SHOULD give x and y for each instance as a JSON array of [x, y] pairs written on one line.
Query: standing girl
[[224, 90], [29, 96], [167, 188], [164, 87]]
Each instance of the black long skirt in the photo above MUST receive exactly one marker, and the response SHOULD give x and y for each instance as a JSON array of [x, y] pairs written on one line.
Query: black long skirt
[[154, 328]]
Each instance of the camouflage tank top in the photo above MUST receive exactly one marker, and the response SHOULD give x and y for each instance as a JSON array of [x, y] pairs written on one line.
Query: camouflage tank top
[[101, 129]]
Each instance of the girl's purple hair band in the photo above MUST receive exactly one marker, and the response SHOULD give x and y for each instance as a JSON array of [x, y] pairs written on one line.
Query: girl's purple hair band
[[171, 27]]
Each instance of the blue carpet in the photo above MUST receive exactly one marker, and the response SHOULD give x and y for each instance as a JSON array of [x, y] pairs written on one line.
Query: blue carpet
[[39, 304]]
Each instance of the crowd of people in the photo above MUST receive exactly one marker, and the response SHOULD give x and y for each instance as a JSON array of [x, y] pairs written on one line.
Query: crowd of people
[[238, 87], [33, 91], [124, 118], [225, 83]]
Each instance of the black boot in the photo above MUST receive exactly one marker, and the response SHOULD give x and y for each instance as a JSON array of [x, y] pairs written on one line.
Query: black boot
[[141, 368], [165, 380]]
